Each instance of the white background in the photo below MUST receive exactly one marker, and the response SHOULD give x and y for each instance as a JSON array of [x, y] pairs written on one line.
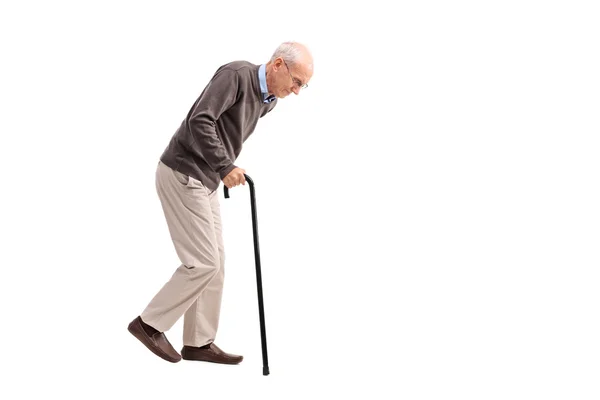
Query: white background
[[428, 207]]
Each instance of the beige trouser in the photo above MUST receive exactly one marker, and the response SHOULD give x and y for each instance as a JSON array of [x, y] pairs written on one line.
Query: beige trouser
[[195, 289]]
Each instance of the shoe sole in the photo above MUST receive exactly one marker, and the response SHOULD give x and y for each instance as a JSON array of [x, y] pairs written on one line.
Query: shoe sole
[[187, 358], [211, 361]]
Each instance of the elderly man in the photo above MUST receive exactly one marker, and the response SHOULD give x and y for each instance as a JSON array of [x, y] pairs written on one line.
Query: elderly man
[[200, 154]]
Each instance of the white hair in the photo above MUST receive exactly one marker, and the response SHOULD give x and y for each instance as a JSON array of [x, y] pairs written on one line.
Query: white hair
[[289, 51]]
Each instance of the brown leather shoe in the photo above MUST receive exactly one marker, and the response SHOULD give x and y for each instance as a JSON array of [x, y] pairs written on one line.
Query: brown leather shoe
[[210, 354], [157, 343]]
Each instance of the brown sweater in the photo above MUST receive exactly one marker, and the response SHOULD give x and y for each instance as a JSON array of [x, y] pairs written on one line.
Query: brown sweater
[[210, 138]]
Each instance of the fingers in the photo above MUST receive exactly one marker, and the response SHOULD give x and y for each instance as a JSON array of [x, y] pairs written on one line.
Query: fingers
[[231, 181], [239, 177], [235, 178]]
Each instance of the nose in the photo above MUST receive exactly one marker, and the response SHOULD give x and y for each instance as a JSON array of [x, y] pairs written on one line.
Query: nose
[[296, 90]]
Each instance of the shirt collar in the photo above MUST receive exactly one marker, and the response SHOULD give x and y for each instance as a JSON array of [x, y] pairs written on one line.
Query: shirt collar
[[262, 78]]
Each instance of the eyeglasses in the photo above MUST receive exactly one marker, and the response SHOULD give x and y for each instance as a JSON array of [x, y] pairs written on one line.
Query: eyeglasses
[[296, 81]]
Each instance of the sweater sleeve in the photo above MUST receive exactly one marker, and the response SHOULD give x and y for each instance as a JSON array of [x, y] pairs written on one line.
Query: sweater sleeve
[[219, 95]]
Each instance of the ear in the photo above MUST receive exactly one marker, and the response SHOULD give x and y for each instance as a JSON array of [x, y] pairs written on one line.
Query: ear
[[277, 63]]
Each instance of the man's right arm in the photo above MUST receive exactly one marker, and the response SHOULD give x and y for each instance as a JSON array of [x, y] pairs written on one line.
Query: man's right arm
[[219, 95]]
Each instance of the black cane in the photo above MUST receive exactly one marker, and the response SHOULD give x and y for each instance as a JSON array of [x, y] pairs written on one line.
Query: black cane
[[261, 307]]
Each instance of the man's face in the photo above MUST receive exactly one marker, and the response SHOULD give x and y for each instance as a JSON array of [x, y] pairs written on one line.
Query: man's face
[[290, 78]]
